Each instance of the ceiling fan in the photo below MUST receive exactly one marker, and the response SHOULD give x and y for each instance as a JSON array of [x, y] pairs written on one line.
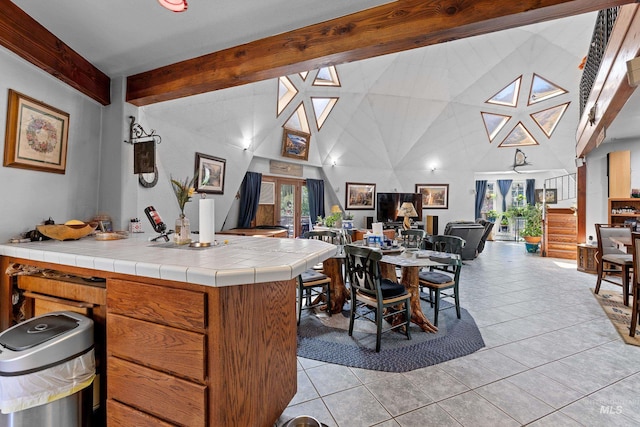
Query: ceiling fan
[[519, 159]]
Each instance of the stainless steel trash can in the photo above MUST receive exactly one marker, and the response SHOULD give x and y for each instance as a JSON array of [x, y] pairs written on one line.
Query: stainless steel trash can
[[46, 368]]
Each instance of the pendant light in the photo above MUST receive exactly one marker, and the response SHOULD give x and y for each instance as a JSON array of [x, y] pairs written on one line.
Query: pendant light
[[174, 5]]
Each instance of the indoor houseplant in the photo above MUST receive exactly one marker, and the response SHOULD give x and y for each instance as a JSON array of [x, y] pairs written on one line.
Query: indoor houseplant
[[532, 231]]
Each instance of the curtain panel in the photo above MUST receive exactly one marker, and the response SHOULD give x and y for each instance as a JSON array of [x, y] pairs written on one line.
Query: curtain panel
[[249, 198]]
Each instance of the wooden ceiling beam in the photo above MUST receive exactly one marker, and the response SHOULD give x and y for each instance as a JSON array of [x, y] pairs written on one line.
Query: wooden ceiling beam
[[393, 27], [25, 37]]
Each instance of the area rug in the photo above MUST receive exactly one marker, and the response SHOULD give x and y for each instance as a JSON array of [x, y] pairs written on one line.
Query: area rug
[[327, 339], [619, 314]]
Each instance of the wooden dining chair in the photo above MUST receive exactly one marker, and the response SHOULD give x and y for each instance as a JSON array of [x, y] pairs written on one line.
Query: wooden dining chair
[[324, 235], [370, 293], [315, 287], [440, 279], [611, 261], [635, 286]]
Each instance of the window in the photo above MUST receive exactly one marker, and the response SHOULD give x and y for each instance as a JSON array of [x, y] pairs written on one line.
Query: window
[[489, 203], [517, 194]]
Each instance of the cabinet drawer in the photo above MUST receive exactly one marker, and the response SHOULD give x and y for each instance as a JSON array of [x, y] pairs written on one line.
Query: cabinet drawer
[[162, 347], [73, 289], [159, 394], [123, 415], [174, 307]]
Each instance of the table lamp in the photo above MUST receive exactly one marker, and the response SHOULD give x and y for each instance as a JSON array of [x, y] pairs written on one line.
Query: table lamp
[[407, 210], [335, 209]]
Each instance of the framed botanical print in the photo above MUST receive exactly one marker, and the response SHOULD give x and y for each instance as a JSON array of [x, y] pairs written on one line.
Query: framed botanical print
[[36, 136], [434, 196], [210, 172], [360, 196]]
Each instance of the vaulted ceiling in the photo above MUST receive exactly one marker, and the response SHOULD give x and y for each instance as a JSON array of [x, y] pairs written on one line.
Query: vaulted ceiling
[[400, 110]]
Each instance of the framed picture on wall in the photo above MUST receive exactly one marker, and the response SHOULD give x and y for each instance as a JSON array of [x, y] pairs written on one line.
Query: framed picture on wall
[[434, 196], [36, 135], [295, 144], [360, 196], [210, 172], [551, 196]]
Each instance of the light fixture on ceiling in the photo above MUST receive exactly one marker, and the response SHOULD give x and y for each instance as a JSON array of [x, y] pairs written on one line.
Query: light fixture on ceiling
[[174, 5]]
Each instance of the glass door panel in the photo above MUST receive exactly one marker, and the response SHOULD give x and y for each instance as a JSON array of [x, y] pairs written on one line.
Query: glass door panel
[[288, 207]]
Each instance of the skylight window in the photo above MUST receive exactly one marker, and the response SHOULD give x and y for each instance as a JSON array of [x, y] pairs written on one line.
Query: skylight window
[[493, 123], [507, 96], [518, 137], [543, 89], [548, 119]]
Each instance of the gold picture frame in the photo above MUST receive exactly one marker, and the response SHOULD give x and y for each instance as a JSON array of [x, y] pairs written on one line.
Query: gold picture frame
[[295, 144], [36, 135]]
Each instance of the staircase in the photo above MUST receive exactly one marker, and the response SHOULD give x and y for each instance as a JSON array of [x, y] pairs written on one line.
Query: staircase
[[560, 233]]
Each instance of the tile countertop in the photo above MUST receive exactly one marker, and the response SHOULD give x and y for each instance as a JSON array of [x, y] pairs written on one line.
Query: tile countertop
[[242, 260]]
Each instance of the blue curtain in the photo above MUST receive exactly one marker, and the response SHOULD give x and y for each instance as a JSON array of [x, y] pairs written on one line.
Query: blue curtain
[[249, 198], [504, 185], [481, 192], [531, 192], [315, 187]]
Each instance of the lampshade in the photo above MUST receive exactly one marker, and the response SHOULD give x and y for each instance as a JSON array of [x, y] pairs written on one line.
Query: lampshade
[[174, 5], [336, 209], [407, 209]]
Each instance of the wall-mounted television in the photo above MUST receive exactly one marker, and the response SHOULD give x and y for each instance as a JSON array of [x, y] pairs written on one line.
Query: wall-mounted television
[[389, 203]]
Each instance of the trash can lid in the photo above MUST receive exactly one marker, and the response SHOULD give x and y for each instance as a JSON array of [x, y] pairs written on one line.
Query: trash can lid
[[36, 331]]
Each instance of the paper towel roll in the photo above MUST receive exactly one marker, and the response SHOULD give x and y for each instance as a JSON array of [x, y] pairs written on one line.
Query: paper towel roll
[[207, 226], [377, 228]]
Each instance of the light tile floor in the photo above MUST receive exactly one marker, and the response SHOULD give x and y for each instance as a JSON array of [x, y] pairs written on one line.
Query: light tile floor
[[552, 358]]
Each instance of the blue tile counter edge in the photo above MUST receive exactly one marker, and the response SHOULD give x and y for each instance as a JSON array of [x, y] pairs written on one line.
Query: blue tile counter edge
[[236, 260]]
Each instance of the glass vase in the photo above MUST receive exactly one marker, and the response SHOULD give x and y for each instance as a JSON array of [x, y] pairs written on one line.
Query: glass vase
[[182, 234]]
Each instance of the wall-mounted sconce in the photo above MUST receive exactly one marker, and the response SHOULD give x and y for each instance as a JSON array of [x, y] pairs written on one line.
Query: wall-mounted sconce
[[144, 153], [433, 168], [246, 144]]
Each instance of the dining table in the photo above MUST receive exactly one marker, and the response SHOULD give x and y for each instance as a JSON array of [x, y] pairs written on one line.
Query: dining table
[[410, 263]]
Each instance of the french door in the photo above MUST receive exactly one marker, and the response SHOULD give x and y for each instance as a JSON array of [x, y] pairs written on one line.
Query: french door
[[291, 204]]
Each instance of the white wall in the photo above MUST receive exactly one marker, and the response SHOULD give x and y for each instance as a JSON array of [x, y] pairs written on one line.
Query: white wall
[[598, 183], [29, 197]]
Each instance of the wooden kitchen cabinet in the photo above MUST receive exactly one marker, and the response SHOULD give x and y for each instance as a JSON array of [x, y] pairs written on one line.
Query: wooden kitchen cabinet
[[157, 342], [180, 354]]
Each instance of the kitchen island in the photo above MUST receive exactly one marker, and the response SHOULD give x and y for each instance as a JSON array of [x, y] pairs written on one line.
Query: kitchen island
[[194, 336]]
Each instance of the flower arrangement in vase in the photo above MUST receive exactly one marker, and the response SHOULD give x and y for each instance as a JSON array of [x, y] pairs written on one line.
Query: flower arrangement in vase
[[183, 191]]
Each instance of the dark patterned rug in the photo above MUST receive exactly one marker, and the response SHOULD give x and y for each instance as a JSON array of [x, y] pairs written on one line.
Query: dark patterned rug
[[619, 314], [327, 339]]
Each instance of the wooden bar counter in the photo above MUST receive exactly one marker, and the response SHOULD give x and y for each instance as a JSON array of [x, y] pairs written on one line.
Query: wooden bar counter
[[195, 336]]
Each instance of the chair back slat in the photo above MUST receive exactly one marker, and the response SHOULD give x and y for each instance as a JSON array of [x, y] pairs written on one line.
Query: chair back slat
[[324, 235], [363, 269], [412, 238], [447, 243]]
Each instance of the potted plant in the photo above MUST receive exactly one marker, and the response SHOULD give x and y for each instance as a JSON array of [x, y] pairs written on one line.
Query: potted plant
[[532, 231], [504, 223], [492, 215], [347, 221]]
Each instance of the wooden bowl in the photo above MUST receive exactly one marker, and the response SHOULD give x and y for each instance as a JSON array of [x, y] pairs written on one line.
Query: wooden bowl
[[66, 232]]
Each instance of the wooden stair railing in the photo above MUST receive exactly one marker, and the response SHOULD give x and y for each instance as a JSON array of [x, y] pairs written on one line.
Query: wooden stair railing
[[560, 233]]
